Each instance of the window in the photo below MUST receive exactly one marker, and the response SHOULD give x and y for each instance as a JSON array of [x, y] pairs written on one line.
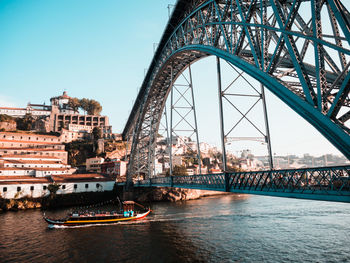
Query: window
[[86, 185], [75, 186], [18, 188], [44, 187], [4, 189], [64, 186], [31, 188]]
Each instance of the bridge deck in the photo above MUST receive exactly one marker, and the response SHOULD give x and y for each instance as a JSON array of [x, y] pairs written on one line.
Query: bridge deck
[[326, 183]]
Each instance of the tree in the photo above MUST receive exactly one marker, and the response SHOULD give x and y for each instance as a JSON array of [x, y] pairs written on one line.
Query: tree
[[94, 107], [74, 103], [6, 118], [84, 104], [25, 123], [91, 107]]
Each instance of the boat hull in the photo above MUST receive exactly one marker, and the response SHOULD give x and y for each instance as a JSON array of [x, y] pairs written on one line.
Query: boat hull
[[87, 221]]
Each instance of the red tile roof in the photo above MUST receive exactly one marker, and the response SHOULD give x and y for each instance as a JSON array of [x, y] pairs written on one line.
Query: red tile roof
[[29, 134], [81, 177], [33, 142], [9, 108], [23, 180], [31, 149], [27, 156], [33, 168], [31, 162]]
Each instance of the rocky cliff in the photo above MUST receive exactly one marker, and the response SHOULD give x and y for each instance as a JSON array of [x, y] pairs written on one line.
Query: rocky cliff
[[156, 194]]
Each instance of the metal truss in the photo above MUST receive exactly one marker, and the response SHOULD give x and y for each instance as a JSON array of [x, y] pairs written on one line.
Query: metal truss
[[258, 99], [302, 59], [183, 118], [326, 183]]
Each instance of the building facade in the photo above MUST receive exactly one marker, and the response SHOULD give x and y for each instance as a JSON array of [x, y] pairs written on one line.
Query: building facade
[[14, 187]]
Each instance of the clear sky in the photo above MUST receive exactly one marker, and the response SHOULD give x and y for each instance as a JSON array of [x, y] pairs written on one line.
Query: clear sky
[[100, 50]]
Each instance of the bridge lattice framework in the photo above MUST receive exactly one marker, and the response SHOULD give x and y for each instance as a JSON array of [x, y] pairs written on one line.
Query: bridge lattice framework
[[301, 58]]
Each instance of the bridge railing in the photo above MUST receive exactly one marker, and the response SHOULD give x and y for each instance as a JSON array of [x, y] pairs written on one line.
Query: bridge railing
[[324, 181]]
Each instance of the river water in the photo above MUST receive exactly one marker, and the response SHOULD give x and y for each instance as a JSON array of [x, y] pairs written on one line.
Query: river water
[[230, 228]]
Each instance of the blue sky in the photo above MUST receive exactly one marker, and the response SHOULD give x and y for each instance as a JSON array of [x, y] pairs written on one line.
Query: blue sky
[[100, 50]]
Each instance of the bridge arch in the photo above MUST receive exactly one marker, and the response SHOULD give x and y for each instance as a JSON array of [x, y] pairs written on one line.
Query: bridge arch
[[319, 98]]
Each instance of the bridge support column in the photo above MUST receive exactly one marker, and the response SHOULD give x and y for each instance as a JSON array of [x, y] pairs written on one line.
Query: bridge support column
[[128, 192], [222, 132], [227, 182], [171, 181]]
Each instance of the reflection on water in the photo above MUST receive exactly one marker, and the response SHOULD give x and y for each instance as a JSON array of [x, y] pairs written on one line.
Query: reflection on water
[[231, 228]]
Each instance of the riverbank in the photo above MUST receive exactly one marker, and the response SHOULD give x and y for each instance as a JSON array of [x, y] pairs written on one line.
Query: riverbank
[[168, 194], [142, 195], [56, 201]]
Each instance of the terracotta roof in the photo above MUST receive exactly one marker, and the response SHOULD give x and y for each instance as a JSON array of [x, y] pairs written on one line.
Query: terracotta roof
[[23, 180], [32, 162], [9, 108], [29, 134], [31, 149], [34, 142], [27, 156], [80, 177], [33, 169]]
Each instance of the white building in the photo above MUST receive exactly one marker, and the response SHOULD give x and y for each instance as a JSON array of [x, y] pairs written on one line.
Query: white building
[[10, 187]]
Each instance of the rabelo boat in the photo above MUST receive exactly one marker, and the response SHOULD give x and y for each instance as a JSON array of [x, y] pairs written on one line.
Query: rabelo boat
[[89, 218]]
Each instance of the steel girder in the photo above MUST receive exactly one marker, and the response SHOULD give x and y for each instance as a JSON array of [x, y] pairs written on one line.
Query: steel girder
[[284, 44], [325, 183]]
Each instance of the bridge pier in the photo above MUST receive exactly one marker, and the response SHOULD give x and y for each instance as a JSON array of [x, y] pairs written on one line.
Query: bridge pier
[[128, 192]]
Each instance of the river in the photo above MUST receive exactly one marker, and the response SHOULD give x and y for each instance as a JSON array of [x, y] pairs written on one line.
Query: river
[[230, 228]]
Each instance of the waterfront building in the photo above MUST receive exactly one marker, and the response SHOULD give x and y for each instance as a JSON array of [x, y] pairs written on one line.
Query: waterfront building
[[18, 187]]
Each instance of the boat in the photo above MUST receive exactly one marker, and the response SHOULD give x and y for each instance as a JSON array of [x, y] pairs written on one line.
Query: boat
[[91, 218]]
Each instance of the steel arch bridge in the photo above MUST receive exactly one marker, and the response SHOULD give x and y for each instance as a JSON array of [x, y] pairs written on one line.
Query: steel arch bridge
[[298, 49]]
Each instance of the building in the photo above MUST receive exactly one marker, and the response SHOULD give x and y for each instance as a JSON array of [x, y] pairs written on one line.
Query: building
[[20, 143], [60, 117], [114, 167], [18, 187], [94, 164], [21, 112]]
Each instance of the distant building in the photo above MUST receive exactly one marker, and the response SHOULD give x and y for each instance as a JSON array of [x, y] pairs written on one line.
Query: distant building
[[60, 117], [94, 164], [29, 165], [21, 143], [114, 168]]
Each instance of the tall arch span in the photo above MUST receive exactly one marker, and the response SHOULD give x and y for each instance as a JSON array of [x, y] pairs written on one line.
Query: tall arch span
[[299, 49]]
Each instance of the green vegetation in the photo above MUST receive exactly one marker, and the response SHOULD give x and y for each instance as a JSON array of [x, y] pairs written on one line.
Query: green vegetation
[[91, 107], [6, 118], [26, 123], [79, 151]]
